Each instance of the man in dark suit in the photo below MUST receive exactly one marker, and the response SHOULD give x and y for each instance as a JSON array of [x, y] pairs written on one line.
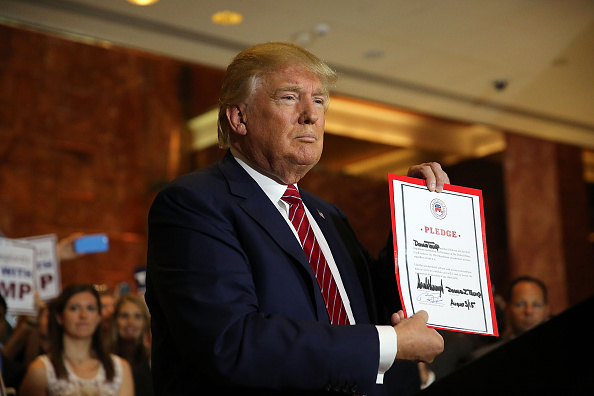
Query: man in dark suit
[[236, 306]]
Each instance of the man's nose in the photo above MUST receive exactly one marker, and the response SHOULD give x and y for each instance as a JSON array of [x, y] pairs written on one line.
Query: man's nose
[[308, 114], [529, 310]]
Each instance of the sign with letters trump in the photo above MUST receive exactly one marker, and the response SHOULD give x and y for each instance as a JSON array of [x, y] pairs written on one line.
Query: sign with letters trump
[[17, 263], [47, 265], [28, 265]]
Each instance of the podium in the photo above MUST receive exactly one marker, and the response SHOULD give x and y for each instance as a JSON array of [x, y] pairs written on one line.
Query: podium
[[556, 357]]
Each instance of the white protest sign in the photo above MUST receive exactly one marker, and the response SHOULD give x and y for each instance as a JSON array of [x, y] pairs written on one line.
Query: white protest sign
[[47, 269], [17, 282]]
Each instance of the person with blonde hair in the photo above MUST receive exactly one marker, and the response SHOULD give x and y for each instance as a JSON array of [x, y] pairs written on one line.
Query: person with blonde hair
[[131, 339], [257, 287], [244, 72]]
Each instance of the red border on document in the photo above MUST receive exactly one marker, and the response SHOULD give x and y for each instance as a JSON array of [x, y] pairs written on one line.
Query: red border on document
[[453, 188]]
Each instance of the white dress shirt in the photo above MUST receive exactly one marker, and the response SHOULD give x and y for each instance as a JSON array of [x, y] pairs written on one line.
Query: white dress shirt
[[275, 191]]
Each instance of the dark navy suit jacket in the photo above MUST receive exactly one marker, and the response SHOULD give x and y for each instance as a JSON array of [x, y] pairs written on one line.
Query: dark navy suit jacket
[[235, 306]]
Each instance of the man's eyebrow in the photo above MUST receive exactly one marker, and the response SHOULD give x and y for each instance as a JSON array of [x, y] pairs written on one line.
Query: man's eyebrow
[[292, 88], [322, 92], [297, 88]]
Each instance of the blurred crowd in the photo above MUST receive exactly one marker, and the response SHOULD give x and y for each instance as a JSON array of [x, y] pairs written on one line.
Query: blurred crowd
[[90, 340], [85, 328]]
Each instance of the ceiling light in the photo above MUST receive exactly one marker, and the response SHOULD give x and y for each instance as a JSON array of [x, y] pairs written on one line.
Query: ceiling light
[[142, 2], [302, 39], [321, 29], [306, 37], [227, 18], [373, 54]]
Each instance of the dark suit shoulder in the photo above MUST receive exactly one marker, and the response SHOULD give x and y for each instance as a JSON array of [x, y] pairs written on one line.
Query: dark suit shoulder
[[223, 177], [204, 178]]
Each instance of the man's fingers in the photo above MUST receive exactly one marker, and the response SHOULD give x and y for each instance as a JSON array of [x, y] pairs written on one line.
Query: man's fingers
[[423, 315], [441, 177], [416, 341], [431, 172], [397, 317]]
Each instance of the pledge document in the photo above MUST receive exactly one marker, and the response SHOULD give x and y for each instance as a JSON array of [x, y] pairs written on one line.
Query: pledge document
[[440, 255]]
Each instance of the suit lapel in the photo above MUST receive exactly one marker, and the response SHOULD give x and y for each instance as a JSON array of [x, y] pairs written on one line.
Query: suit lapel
[[255, 203]]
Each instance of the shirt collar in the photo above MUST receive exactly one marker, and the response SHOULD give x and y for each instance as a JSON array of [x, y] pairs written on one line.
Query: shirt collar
[[271, 188]]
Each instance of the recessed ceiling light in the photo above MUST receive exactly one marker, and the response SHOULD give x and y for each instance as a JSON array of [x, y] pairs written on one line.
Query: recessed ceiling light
[[302, 39], [321, 29], [142, 2], [227, 18], [373, 54]]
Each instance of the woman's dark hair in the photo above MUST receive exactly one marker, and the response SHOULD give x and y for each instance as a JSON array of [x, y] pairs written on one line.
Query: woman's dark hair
[[56, 332]]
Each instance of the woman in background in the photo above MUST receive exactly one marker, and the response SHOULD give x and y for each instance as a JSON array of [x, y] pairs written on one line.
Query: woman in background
[[130, 340], [77, 363]]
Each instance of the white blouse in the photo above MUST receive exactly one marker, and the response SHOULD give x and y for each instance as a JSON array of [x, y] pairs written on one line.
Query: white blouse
[[76, 386]]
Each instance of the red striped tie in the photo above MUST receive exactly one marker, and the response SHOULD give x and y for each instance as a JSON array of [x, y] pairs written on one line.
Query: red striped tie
[[316, 258]]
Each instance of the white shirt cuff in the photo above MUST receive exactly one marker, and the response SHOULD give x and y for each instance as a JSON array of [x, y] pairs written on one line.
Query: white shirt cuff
[[388, 349]]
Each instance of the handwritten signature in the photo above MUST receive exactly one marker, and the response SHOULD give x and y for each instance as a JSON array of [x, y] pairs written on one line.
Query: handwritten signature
[[468, 292], [427, 284], [432, 298], [462, 304]]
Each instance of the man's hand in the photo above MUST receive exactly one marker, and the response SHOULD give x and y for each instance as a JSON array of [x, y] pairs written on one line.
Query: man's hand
[[432, 173], [397, 317], [416, 341]]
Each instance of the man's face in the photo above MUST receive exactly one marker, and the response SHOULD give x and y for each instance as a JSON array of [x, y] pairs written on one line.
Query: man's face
[[284, 123], [526, 308]]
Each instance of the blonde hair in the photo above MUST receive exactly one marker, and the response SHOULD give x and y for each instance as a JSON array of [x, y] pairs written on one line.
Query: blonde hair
[[251, 63], [141, 351], [139, 302]]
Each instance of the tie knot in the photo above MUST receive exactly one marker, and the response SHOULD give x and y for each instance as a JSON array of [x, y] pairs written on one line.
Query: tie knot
[[291, 195]]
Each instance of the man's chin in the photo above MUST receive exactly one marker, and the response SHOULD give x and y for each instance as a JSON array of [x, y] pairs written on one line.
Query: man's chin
[[308, 158]]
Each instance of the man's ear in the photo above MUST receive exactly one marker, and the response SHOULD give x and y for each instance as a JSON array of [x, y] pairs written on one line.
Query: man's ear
[[236, 118]]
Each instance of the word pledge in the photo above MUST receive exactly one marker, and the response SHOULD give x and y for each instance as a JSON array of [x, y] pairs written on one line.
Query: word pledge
[[439, 231]]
